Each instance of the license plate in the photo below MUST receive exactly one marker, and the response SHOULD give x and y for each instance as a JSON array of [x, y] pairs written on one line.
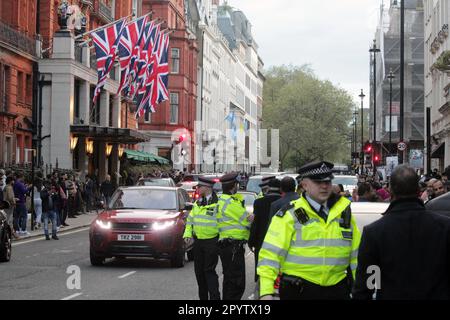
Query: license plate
[[130, 237]]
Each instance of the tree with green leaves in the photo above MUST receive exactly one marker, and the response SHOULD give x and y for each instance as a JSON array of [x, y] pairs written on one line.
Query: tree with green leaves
[[314, 116]]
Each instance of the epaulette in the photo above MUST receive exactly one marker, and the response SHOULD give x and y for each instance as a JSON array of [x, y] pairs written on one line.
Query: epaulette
[[283, 210]]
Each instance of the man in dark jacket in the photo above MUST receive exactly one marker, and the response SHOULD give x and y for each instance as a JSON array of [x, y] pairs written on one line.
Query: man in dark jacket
[[50, 199], [406, 253], [261, 210], [288, 194], [440, 205], [107, 189]]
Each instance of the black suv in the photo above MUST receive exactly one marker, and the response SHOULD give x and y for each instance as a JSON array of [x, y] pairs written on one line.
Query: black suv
[[5, 234]]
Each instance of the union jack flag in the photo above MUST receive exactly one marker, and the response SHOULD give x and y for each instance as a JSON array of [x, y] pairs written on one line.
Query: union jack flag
[[130, 90], [147, 54], [128, 47], [155, 89], [105, 42]]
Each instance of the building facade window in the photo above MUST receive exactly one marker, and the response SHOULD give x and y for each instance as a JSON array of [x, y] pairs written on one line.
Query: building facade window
[[175, 52], [29, 90], [174, 104], [19, 86], [135, 7], [76, 101], [147, 117], [94, 113], [247, 82], [4, 84]]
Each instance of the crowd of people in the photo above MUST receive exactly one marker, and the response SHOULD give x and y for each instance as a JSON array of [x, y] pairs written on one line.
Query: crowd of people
[[371, 189], [60, 195], [53, 198]]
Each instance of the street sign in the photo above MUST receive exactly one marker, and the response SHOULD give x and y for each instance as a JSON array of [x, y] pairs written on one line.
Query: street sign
[[401, 146]]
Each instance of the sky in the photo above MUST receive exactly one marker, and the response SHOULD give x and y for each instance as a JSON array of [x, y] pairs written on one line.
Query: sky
[[332, 36]]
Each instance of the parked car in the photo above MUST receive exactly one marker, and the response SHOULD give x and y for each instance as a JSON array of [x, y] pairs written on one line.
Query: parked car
[[145, 221], [367, 212], [162, 182], [190, 187], [5, 234], [254, 181], [249, 199], [217, 187], [349, 182]]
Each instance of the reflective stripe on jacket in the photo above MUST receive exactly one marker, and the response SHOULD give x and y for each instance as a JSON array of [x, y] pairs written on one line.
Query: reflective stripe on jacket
[[317, 251], [202, 222], [232, 217]]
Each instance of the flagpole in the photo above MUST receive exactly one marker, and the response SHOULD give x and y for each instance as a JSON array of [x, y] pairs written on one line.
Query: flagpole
[[111, 23], [90, 39]]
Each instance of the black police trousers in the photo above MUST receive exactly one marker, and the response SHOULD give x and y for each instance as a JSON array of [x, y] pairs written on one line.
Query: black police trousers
[[233, 265], [301, 289], [206, 257]]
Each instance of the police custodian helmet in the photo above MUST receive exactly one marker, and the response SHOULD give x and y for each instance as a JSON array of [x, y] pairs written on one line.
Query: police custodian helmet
[[318, 171]]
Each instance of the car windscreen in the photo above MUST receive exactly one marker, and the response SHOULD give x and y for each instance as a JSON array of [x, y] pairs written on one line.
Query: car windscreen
[[144, 199], [156, 182], [345, 181], [253, 185]]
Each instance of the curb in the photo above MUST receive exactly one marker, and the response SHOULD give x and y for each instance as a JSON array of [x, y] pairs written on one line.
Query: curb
[[61, 231]]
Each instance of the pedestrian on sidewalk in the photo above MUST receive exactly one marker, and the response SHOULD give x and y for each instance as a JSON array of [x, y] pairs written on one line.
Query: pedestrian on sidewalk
[[2, 183], [107, 189], [21, 214], [8, 195], [37, 202], [63, 205], [49, 196]]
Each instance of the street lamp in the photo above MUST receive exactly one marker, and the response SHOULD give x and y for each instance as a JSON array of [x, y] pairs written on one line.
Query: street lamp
[[89, 147], [108, 149], [362, 95], [73, 143], [121, 149], [391, 78], [374, 50]]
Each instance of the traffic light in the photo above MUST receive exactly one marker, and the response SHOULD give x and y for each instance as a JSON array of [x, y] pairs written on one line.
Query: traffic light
[[377, 154], [376, 159], [368, 148]]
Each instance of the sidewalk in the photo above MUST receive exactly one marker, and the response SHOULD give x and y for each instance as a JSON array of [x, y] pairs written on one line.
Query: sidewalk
[[81, 221]]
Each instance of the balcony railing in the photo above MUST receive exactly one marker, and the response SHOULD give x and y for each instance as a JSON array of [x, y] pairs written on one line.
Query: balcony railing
[[17, 39]]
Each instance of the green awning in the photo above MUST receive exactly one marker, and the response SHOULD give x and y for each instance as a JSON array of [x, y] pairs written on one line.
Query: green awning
[[145, 156], [139, 156], [161, 160]]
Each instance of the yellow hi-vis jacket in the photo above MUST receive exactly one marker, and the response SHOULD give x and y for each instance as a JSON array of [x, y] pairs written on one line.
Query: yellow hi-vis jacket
[[232, 217], [315, 250], [202, 222]]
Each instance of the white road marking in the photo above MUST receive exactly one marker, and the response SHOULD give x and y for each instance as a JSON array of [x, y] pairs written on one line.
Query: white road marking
[[14, 244], [251, 297], [126, 274], [248, 254], [72, 296]]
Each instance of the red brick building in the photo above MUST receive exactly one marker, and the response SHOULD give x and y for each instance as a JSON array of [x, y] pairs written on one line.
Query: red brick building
[[180, 111], [22, 24], [17, 59]]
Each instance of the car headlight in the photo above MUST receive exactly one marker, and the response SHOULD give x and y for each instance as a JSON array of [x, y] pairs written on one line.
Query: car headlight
[[162, 225], [104, 224]]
